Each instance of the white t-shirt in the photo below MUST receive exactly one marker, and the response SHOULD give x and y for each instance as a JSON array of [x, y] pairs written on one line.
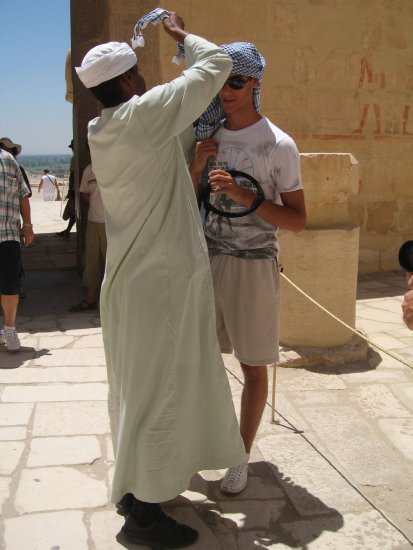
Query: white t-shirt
[[271, 157], [89, 185]]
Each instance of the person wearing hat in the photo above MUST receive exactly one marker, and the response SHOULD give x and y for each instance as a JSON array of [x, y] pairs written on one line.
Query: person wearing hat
[[244, 250], [14, 204], [15, 149], [170, 403]]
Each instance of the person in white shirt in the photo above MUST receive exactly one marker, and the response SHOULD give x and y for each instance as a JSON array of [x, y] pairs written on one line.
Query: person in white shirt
[[244, 250], [95, 241], [48, 183]]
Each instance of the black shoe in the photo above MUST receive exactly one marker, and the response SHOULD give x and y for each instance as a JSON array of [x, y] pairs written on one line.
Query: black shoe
[[163, 532], [124, 506]]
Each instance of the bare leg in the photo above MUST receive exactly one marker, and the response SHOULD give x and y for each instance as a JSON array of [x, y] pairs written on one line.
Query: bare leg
[[254, 397], [9, 304], [91, 295]]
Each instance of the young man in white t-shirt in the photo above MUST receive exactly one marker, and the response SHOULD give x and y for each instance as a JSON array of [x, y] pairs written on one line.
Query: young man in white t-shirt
[[244, 251], [95, 241]]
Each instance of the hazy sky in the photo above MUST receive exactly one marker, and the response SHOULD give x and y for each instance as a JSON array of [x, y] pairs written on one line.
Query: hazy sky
[[34, 39]]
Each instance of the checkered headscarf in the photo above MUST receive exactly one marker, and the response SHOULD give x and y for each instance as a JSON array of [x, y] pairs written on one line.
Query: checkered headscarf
[[247, 61], [155, 17]]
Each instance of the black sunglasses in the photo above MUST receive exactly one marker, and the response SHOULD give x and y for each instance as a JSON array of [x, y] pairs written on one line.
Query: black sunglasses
[[237, 82]]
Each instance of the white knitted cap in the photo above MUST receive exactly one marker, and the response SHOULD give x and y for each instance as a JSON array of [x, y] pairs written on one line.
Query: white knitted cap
[[105, 62]]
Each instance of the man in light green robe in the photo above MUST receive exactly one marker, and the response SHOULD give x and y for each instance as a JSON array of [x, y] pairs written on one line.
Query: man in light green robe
[[170, 404]]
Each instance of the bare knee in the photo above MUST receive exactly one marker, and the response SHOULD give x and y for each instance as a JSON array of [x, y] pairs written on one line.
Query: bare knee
[[254, 374]]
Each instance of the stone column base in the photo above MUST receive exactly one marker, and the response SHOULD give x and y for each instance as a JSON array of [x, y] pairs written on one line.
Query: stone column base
[[352, 352]]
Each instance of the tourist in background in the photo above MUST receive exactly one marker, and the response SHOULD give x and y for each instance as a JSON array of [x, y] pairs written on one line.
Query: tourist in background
[[14, 203], [95, 240], [48, 183], [15, 149]]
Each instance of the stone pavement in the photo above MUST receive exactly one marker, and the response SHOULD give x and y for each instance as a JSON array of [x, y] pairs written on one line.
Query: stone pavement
[[335, 472]]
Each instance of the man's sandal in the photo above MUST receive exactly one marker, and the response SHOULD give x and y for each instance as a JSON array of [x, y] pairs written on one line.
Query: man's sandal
[[82, 306]]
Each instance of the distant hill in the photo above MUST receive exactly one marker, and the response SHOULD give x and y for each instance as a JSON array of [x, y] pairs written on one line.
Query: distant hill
[[56, 164]]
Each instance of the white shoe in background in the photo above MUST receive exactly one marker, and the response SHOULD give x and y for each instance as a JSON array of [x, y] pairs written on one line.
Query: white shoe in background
[[12, 340]]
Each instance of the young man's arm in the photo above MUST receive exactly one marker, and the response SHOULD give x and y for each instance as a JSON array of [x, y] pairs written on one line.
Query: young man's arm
[[203, 151], [40, 185], [27, 228], [291, 215]]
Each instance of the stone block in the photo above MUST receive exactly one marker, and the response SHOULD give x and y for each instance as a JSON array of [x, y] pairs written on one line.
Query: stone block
[[381, 217], [5, 483], [10, 452], [323, 263], [53, 374], [75, 357], [103, 528], [376, 401], [55, 488], [368, 530], [87, 417], [56, 392], [400, 433], [90, 341], [355, 446], [329, 179], [49, 531], [12, 433], [54, 451], [405, 218], [15, 414], [315, 490], [54, 342]]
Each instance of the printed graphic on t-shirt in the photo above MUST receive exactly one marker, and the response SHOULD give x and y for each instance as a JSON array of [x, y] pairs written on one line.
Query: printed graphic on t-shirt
[[242, 236], [268, 154]]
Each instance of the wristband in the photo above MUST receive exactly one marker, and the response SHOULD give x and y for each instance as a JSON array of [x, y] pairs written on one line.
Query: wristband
[[27, 225]]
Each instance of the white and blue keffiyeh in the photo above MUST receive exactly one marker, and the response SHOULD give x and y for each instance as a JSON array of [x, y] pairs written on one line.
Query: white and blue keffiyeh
[[247, 61], [155, 17]]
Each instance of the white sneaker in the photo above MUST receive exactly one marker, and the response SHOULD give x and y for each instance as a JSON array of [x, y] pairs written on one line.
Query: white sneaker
[[2, 337], [235, 480], [12, 340]]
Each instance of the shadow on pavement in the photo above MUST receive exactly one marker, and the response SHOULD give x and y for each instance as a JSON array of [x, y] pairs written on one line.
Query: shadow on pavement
[[48, 252], [16, 359], [49, 294], [265, 510]]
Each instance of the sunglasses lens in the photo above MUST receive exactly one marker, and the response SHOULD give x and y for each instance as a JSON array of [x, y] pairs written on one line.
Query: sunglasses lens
[[236, 82]]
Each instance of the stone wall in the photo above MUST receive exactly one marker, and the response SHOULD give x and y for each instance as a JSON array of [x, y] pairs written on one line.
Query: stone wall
[[339, 79]]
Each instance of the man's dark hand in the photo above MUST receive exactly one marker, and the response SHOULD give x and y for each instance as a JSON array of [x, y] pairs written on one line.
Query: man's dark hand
[[174, 25]]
